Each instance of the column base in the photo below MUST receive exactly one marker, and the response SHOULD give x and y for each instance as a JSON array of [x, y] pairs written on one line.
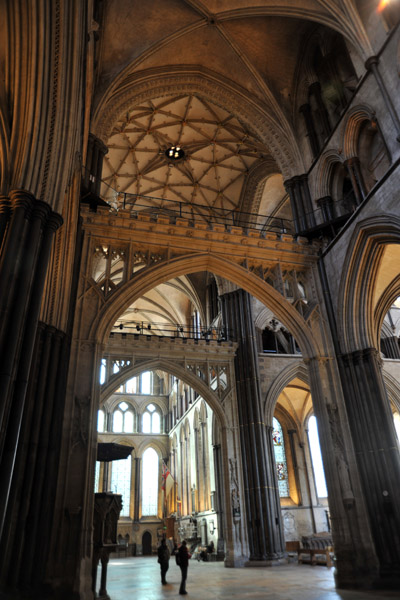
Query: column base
[[271, 562], [367, 580]]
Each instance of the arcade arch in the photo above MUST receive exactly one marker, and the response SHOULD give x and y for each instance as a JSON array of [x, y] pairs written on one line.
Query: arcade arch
[[189, 463]]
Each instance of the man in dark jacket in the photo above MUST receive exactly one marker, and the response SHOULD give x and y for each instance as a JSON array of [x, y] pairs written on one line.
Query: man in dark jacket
[[183, 561], [163, 559]]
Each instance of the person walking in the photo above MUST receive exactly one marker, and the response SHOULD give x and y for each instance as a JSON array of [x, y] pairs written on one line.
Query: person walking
[[183, 557], [163, 559]]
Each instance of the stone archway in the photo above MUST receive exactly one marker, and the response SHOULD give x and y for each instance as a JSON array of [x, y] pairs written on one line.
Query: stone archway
[[219, 265], [360, 306], [182, 366]]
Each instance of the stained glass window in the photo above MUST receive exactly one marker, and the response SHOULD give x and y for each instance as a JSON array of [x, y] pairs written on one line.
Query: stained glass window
[[280, 459], [121, 482], [150, 483], [316, 458]]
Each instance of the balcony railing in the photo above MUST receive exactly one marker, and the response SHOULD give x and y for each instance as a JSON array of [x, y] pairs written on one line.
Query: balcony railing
[[178, 330], [177, 211]]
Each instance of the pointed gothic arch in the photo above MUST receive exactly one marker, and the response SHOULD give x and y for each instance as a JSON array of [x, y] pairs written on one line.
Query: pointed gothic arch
[[299, 371], [148, 278], [360, 314], [172, 368]]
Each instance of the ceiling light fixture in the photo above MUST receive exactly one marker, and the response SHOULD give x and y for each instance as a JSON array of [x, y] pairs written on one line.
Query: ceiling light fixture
[[175, 153]]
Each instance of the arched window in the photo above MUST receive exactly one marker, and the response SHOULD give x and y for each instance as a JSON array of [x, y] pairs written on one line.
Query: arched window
[[150, 483], [121, 482], [103, 367], [131, 386], [316, 458], [151, 422], [280, 459], [100, 421], [97, 477], [146, 381], [123, 418], [396, 418]]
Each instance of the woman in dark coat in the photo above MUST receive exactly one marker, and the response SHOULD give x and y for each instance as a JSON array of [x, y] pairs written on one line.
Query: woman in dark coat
[[163, 559], [183, 562]]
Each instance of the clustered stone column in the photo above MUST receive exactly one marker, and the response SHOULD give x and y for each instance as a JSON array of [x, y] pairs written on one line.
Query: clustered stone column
[[31, 357], [377, 454], [259, 477]]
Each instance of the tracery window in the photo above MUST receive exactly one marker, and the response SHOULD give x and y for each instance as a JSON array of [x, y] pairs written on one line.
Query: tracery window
[[280, 459], [123, 418], [151, 421], [150, 482], [316, 458], [121, 482]]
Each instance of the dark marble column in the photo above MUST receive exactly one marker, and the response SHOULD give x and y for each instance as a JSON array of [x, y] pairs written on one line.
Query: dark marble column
[[301, 203], [137, 485], [292, 433], [4, 216], [327, 208], [372, 65], [260, 490], [353, 168], [390, 347], [305, 110], [307, 202], [289, 186], [377, 454], [94, 165], [315, 90], [24, 259], [220, 503]]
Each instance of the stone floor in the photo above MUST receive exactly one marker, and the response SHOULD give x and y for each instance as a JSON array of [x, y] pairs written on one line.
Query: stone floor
[[139, 579]]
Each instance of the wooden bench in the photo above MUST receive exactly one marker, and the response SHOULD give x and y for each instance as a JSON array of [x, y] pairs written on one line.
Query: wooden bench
[[318, 547]]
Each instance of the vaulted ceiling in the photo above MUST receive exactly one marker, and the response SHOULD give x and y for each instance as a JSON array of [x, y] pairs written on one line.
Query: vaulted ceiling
[[217, 151], [250, 48]]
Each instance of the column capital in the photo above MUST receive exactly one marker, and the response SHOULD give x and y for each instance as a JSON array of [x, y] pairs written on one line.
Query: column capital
[[55, 221], [40, 210], [358, 356], [21, 199]]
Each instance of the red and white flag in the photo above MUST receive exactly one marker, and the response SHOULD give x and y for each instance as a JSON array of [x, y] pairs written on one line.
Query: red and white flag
[[167, 479]]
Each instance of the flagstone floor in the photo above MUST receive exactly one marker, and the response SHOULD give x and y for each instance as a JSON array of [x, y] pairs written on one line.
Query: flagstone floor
[[139, 579]]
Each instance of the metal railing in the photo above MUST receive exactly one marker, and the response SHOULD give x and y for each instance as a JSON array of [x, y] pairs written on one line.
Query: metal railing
[[193, 213], [178, 330]]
